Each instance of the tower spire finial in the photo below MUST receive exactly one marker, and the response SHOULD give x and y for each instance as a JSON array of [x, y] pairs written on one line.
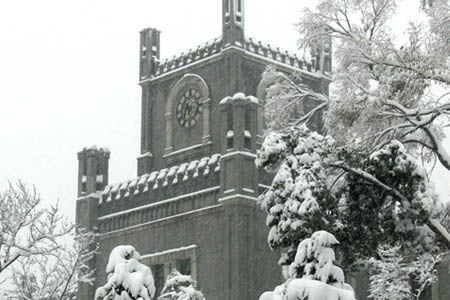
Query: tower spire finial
[[233, 22]]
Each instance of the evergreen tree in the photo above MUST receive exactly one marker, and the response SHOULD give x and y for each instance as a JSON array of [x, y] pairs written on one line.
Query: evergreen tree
[[319, 186], [313, 275]]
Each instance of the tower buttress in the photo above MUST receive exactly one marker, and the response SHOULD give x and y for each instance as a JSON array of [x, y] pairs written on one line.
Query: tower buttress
[[149, 53], [238, 173], [233, 22], [92, 178]]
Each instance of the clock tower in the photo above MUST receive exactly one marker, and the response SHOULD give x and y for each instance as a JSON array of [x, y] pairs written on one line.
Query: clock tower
[[193, 205]]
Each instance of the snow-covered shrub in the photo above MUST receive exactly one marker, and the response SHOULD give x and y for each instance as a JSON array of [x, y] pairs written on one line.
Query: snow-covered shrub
[[180, 287], [314, 259], [393, 274], [128, 279], [313, 275]]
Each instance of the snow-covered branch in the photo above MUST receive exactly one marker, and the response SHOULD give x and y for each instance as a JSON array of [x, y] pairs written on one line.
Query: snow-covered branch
[[55, 275], [432, 223], [26, 229], [285, 98], [320, 186], [394, 274]]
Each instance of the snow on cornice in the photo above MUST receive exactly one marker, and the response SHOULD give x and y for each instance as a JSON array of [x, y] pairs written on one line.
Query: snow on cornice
[[185, 58], [215, 46], [161, 178], [277, 54]]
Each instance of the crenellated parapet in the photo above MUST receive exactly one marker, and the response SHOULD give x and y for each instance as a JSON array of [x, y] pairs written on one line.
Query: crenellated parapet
[[157, 211], [203, 51], [278, 55], [156, 67], [158, 186]]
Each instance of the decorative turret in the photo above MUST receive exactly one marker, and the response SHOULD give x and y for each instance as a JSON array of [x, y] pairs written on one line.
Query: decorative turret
[[241, 123], [92, 178], [233, 22], [149, 53], [92, 170]]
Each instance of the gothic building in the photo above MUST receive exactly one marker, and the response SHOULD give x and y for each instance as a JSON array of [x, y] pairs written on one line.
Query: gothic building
[[192, 205]]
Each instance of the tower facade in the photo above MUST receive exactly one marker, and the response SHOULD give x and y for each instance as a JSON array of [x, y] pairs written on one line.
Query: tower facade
[[193, 204]]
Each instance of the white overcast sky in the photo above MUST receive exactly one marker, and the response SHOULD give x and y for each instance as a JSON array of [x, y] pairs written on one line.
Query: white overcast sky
[[69, 72]]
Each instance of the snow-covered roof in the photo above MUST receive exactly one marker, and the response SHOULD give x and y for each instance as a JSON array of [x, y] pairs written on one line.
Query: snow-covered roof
[[161, 178]]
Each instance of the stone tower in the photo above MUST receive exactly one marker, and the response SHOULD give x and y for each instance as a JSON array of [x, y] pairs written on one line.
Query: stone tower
[[193, 205]]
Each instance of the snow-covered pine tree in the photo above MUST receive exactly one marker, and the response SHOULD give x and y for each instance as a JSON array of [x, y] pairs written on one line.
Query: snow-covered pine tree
[[180, 287], [128, 279], [299, 201], [313, 275]]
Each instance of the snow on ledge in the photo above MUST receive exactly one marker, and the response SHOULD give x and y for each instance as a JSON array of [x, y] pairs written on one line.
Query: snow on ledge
[[91, 195], [239, 97], [239, 153], [169, 251], [124, 212], [162, 178]]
